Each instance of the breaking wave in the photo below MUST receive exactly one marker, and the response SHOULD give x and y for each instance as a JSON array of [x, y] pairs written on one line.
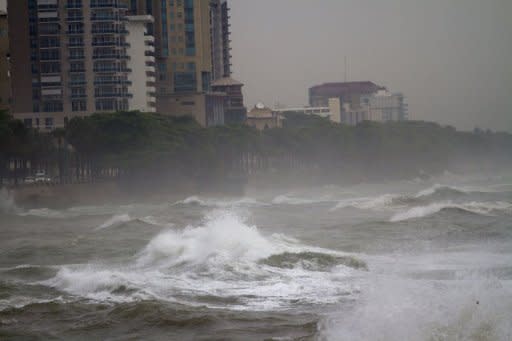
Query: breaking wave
[[369, 203], [290, 200], [219, 203], [224, 259], [115, 221], [444, 190], [480, 208], [313, 261]]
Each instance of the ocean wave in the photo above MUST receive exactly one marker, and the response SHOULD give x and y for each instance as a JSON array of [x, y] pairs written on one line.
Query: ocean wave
[[291, 200], [473, 309], [223, 257], [313, 261], [439, 189], [368, 203], [480, 208], [115, 221], [442, 189], [219, 203]]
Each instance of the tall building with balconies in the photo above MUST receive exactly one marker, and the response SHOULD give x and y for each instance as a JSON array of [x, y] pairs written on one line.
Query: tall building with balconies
[[141, 49], [5, 78], [192, 52], [69, 58]]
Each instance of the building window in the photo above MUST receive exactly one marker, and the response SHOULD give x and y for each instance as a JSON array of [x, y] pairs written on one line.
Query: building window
[[79, 106], [48, 122], [52, 106], [206, 80], [185, 82], [27, 122]]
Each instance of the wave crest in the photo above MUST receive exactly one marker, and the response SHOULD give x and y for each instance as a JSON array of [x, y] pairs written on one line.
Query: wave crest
[[480, 208], [313, 261]]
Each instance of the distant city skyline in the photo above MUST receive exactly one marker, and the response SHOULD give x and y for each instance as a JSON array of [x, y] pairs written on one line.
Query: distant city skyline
[[451, 59]]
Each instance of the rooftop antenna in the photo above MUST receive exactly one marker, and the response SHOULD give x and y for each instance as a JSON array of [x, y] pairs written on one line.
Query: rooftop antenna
[[345, 62]]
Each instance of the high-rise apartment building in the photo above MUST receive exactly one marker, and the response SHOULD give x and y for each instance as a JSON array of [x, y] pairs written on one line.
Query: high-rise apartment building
[[5, 78], [69, 58], [192, 52]]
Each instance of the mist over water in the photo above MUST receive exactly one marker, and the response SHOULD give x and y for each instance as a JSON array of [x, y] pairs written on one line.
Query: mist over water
[[404, 260]]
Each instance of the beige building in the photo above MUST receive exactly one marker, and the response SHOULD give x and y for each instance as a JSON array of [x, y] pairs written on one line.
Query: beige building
[[192, 52], [261, 117]]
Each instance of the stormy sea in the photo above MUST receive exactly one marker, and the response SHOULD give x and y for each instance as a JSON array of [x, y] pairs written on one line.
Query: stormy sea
[[425, 259]]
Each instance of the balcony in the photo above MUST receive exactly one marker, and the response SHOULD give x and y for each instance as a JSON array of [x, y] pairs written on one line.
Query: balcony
[[112, 82], [77, 57], [78, 82], [76, 5], [111, 70], [106, 4], [105, 18], [109, 31], [113, 95], [76, 96], [75, 19], [75, 32], [111, 56]]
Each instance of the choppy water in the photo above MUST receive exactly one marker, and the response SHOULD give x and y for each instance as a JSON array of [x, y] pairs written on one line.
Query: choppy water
[[411, 260]]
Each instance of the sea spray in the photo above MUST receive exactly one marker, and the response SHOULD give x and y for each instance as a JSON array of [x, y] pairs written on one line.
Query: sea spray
[[222, 258], [7, 204]]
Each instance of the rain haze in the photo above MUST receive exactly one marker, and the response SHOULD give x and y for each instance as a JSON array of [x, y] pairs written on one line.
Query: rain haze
[[246, 170], [452, 59]]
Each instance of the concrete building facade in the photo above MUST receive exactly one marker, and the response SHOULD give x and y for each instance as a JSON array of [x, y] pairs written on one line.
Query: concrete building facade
[[234, 110], [5, 77], [141, 50], [387, 106], [262, 117], [192, 52], [69, 58], [354, 102], [348, 92]]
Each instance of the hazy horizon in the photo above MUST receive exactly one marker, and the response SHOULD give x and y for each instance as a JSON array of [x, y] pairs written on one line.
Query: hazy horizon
[[451, 59]]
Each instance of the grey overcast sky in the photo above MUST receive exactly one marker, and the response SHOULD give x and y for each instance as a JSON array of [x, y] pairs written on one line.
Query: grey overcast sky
[[451, 58]]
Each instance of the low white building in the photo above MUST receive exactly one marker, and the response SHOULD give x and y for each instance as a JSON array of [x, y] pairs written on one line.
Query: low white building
[[318, 111], [141, 51], [387, 106]]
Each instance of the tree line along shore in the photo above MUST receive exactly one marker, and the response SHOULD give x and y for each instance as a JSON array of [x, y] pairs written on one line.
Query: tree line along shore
[[149, 149]]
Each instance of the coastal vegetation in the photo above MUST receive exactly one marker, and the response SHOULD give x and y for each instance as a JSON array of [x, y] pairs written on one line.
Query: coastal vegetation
[[142, 147]]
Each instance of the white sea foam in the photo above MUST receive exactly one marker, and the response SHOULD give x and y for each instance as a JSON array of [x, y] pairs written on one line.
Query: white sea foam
[[438, 187], [462, 189], [399, 309], [219, 203], [482, 208], [223, 258], [44, 213], [292, 200], [115, 221], [385, 201]]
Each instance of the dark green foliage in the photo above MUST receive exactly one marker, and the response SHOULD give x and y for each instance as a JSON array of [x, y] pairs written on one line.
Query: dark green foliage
[[146, 143]]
